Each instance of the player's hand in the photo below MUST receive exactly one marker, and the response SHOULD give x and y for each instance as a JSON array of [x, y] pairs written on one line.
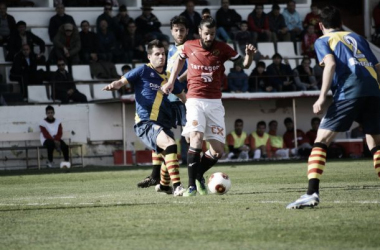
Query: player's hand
[[114, 85], [250, 49], [167, 88], [317, 107]]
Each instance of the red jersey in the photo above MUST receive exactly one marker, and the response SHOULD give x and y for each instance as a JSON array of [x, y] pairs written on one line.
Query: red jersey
[[205, 67]]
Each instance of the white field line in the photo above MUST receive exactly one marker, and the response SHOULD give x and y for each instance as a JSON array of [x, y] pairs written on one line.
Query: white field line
[[179, 202]]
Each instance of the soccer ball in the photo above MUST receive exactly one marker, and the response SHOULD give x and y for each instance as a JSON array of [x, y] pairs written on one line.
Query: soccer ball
[[65, 165], [219, 183]]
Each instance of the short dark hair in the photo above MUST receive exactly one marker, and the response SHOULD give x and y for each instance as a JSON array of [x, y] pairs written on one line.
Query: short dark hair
[[277, 55], [239, 121], [49, 108], [154, 43], [127, 67], [261, 64], [208, 22], [315, 119], [261, 123], [243, 22], [179, 20], [84, 21], [291, 1], [288, 120], [19, 23], [206, 10], [276, 7], [271, 122], [331, 18]]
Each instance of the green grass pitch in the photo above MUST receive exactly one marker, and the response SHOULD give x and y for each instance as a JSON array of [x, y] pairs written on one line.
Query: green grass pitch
[[101, 208]]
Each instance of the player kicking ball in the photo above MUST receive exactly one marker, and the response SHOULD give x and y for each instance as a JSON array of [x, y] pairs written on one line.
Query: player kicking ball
[[154, 119]]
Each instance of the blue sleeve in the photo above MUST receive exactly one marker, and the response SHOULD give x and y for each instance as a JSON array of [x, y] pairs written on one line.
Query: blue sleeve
[[178, 87], [322, 49], [134, 75]]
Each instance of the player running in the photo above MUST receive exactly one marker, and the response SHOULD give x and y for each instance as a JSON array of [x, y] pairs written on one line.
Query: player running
[[352, 72], [205, 112]]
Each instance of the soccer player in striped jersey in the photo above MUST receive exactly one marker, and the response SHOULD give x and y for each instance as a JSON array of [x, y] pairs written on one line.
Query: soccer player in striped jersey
[[153, 119], [179, 30], [205, 111], [353, 73]]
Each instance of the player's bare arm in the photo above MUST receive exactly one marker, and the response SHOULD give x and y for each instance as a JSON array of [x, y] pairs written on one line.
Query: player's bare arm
[[328, 74], [177, 67], [183, 77], [116, 84], [250, 51]]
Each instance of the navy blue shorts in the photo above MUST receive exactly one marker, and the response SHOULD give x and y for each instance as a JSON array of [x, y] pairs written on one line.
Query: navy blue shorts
[[148, 131], [364, 110]]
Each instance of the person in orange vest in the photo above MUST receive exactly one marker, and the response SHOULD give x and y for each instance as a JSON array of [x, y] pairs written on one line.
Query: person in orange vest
[[237, 141], [259, 142]]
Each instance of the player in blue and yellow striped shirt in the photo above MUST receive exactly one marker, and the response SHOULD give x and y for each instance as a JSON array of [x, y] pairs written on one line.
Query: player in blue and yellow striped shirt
[[154, 118], [353, 73]]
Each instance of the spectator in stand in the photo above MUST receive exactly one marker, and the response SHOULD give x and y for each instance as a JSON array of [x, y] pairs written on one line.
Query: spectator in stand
[[238, 79], [228, 21], [24, 70], [108, 44], [224, 83], [259, 80], [277, 145], [258, 24], [51, 137], [293, 20], [280, 75], [57, 20], [303, 145], [21, 36], [148, 25], [66, 45], [304, 76], [259, 142], [123, 19], [243, 37], [64, 86], [277, 25], [133, 45], [193, 20], [237, 142], [89, 44], [129, 88], [312, 133], [113, 25], [308, 41], [376, 17], [7, 24], [206, 13], [313, 18]]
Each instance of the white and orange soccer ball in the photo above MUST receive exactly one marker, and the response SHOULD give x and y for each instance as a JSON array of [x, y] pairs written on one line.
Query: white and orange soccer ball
[[219, 183]]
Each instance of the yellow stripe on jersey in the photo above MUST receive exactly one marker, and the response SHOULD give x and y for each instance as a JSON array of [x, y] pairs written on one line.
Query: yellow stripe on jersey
[[137, 118], [159, 97], [337, 37]]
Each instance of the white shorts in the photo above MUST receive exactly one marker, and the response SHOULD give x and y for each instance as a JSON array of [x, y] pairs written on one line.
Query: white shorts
[[206, 116]]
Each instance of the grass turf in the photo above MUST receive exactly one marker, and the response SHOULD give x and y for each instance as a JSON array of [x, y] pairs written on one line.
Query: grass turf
[[102, 209]]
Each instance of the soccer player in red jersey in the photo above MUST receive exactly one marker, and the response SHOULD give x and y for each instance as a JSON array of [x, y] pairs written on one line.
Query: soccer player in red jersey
[[205, 112]]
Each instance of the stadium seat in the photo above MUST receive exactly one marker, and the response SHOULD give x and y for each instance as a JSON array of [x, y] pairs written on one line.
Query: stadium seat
[[228, 65], [81, 73], [119, 66], [38, 94], [43, 67], [312, 62], [292, 63], [99, 94], [299, 48], [7, 74], [286, 49], [266, 49], [43, 34], [267, 62], [85, 89]]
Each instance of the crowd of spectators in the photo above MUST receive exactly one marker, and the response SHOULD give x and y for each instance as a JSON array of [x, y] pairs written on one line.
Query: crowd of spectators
[[121, 39]]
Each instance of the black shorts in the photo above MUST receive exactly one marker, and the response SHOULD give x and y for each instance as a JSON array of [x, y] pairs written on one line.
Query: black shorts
[[148, 131], [364, 110]]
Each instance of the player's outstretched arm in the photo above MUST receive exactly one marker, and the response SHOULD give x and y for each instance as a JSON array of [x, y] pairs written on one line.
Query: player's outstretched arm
[[116, 84], [177, 67], [327, 76], [250, 51]]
